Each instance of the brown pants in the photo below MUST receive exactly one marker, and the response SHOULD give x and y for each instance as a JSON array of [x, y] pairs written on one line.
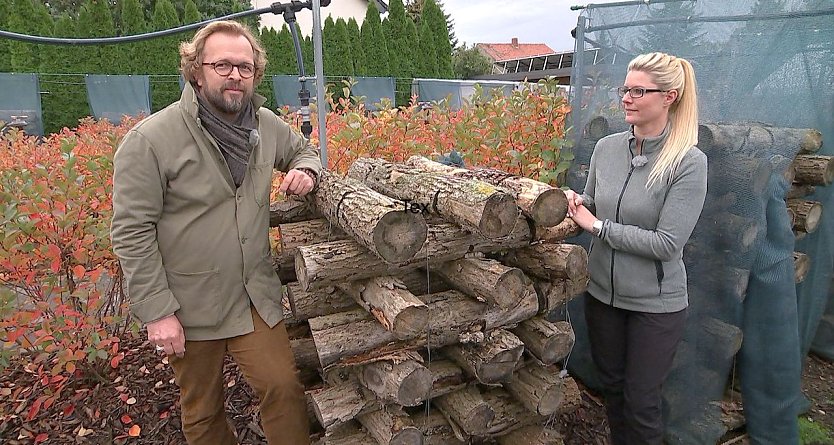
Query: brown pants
[[266, 361]]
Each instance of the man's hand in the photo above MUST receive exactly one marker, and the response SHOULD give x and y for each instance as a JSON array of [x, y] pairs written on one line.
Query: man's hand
[[167, 333], [296, 183]]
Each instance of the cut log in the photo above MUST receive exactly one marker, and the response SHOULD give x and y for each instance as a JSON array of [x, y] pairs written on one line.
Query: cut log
[[600, 126], [326, 264], [436, 429], [474, 205], [814, 169], [532, 435], [292, 210], [549, 260], [341, 403], [406, 383], [492, 361], [800, 191], [558, 233], [311, 304], [801, 266], [718, 340], [467, 409], [388, 300], [304, 233], [538, 389], [510, 415], [790, 173], [544, 204], [798, 235], [744, 175], [421, 282], [548, 342], [376, 221], [728, 231], [557, 293], [487, 280], [306, 358], [390, 427], [808, 214], [350, 433], [754, 138], [447, 377]]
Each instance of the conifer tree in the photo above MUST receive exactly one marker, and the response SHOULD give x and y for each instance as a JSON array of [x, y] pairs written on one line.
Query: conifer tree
[[95, 20], [426, 54], [414, 9], [401, 48], [132, 23], [24, 57], [344, 54], [373, 41], [434, 17], [163, 56], [191, 14], [285, 55], [5, 54], [329, 50], [357, 52], [66, 102]]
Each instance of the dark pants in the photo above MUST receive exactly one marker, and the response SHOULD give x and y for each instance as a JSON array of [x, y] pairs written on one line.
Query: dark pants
[[633, 352]]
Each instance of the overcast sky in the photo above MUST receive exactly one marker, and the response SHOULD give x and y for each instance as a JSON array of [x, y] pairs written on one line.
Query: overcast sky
[[498, 21]]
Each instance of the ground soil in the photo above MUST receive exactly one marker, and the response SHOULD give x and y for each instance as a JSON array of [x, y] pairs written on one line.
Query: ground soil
[[103, 415]]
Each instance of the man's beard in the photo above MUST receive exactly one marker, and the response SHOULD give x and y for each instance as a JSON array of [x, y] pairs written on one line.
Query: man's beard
[[228, 105]]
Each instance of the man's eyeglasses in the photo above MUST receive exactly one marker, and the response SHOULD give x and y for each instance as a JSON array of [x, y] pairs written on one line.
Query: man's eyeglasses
[[225, 68], [635, 92]]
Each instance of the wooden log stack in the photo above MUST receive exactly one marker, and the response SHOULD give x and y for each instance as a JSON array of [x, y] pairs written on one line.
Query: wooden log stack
[[444, 343]]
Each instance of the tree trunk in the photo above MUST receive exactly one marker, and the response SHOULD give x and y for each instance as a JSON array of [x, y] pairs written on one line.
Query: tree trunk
[[304, 233], [808, 214], [487, 280], [436, 429], [292, 210], [544, 204], [467, 409], [474, 205], [801, 266], [538, 389], [374, 220], [388, 300], [391, 428], [557, 293], [532, 435], [549, 260], [341, 403], [405, 383], [510, 415], [492, 361], [566, 229], [814, 169], [326, 264], [315, 303], [800, 191], [548, 342], [752, 138]]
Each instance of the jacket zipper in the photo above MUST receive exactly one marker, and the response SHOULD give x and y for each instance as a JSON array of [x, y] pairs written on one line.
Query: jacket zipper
[[617, 219]]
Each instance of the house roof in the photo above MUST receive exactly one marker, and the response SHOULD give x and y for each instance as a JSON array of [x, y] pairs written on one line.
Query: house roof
[[500, 52]]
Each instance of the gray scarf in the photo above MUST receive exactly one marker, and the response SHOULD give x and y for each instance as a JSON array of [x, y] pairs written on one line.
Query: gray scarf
[[235, 140]]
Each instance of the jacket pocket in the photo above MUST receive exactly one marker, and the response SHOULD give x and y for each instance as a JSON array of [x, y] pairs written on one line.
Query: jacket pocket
[[198, 296], [261, 182], [635, 276]]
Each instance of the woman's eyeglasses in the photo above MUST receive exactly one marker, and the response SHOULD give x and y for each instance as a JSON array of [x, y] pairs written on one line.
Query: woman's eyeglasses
[[635, 92]]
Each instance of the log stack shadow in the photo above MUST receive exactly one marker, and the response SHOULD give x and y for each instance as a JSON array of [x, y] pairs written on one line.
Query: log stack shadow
[[755, 171], [446, 343]]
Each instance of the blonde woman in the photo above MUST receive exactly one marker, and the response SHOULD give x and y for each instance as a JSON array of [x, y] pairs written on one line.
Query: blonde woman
[[645, 191]]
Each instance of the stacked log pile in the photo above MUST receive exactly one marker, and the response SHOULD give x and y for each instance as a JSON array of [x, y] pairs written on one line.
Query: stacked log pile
[[753, 168], [417, 297]]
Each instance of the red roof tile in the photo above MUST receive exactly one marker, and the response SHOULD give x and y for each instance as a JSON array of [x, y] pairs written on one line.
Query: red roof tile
[[499, 52]]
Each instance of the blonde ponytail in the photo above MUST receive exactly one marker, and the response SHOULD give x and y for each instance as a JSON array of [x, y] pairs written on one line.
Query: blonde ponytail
[[672, 73]]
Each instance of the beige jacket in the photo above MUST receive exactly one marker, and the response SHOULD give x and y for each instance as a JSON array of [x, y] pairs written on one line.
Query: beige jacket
[[188, 241]]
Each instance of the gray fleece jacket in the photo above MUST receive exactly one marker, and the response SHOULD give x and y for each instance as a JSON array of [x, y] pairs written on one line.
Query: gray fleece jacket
[[637, 261]]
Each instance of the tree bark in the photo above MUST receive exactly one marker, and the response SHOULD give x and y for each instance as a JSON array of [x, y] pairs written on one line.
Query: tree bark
[[306, 359], [292, 210], [447, 377], [492, 361], [557, 293], [304, 233], [600, 126], [391, 428], [566, 229], [800, 191], [326, 264], [544, 204], [467, 409], [752, 138], [539, 389], [548, 342], [814, 169], [388, 300], [532, 435], [808, 214], [742, 174], [801, 266], [405, 383], [436, 429], [549, 260], [474, 205], [421, 282], [487, 280], [350, 434], [376, 221], [510, 415], [319, 302], [341, 403]]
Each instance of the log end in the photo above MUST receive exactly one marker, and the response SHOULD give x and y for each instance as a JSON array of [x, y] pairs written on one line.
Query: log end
[[550, 208], [407, 436], [499, 216], [812, 220], [399, 236], [478, 419], [551, 401], [411, 321], [415, 387], [501, 368], [812, 141]]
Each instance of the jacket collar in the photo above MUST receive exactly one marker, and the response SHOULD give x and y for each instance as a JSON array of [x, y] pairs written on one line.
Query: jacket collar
[[654, 143], [188, 101]]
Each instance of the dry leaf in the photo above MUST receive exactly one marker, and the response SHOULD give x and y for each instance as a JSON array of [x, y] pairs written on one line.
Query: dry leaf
[[131, 401], [84, 432], [134, 431]]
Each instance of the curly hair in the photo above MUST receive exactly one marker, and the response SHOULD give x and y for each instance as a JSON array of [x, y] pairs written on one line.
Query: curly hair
[[191, 52]]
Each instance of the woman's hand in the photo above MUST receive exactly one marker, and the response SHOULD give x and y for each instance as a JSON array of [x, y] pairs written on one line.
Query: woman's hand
[[574, 201], [584, 218]]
